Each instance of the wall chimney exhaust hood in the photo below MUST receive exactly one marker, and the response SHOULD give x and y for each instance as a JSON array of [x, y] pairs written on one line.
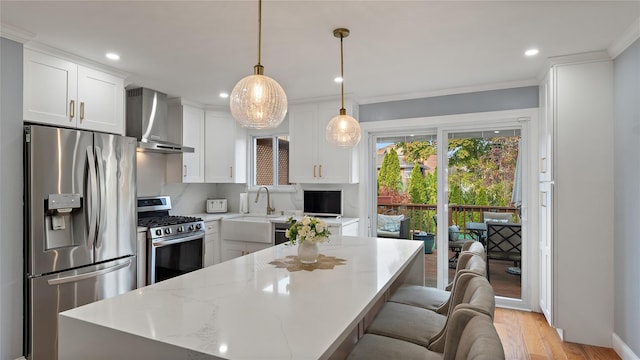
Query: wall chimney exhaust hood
[[148, 121]]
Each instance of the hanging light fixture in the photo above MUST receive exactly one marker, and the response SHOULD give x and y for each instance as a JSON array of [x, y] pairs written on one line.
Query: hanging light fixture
[[343, 130], [258, 101]]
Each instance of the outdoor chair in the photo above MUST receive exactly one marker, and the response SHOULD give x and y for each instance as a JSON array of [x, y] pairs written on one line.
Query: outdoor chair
[[457, 239], [504, 242], [392, 226]]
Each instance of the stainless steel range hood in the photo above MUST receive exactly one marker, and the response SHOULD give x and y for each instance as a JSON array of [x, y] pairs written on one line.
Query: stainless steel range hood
[[148, 121]]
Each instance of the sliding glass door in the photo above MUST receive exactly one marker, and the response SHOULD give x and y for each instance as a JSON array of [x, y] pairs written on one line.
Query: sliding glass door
[[455, 181]]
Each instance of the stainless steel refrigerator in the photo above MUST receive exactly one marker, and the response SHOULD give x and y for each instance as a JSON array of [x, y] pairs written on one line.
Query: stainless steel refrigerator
[[80, 226]]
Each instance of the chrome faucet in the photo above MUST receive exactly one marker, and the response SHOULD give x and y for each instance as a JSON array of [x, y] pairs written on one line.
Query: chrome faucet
[[270, 210]]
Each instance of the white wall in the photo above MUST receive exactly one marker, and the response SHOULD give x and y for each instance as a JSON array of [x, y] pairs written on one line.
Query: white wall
[[190, 198], [627, 199], [11, 185], [185, 198]]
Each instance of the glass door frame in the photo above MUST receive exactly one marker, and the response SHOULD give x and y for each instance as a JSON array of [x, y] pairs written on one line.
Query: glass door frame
[[522, 119]]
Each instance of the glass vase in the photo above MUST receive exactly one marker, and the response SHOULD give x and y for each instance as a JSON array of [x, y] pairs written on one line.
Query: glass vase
[[308, 252]]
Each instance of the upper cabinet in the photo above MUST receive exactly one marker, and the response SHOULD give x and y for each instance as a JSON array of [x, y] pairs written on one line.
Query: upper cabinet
[[225, 149], [545, 130], [63, 93], [311, 158], [187, 167]]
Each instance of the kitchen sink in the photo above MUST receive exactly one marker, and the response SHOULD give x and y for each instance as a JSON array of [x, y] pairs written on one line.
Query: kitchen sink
[[253, 228]]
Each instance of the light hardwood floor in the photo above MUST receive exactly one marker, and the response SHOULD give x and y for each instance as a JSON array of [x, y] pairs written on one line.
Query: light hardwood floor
[[527, 335]]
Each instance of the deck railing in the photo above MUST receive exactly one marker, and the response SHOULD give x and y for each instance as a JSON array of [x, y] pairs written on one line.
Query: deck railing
[[423, 215]]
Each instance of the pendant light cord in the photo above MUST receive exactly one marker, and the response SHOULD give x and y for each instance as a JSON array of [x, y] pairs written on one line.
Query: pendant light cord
[[259, 28], [342, 71]]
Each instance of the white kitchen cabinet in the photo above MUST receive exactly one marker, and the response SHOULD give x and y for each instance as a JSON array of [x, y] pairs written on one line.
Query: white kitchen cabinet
[[349, 229], [576, 136], [232, 249], [311, 158], [212, 241], [186, 167], [225, 149], [63, 93]]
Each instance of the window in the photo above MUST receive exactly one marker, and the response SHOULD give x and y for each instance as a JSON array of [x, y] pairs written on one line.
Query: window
[[271, 160]]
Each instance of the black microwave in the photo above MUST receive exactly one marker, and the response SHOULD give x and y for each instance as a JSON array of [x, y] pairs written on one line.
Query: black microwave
[[322, 202]]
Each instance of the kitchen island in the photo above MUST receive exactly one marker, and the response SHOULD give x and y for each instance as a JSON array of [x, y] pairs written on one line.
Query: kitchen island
[[247, 308]]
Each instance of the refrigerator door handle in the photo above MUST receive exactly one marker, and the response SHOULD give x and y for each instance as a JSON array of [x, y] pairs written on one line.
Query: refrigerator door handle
[[91, 237], [75, 278], [103, 195]]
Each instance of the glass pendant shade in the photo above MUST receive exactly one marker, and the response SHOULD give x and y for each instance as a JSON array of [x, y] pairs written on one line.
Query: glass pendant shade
[[258, 102], [343, 131]]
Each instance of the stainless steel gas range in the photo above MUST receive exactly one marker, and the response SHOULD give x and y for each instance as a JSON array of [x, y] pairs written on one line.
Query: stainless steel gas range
[[175, 244]]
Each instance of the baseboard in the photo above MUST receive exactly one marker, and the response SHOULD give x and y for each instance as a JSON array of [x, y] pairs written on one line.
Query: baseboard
[[622, 349]]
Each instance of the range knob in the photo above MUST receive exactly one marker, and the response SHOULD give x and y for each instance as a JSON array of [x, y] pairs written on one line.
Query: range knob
[[180, 228], [159, 232], [191, 227], [167, 231], [198, 226]]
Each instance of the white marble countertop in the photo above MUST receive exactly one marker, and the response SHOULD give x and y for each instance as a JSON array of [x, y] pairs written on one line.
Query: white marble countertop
[[244, 308]]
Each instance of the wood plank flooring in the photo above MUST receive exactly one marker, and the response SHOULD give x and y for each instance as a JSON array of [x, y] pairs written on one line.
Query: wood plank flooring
[[527, 335], [524, 335]]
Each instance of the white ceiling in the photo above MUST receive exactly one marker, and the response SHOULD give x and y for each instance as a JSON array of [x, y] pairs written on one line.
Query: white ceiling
[[396, 50]]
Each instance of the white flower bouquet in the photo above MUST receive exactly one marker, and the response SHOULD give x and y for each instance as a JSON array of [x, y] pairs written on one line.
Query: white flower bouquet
[[309, 229]]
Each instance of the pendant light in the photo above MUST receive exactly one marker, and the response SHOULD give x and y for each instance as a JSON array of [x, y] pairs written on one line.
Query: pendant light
[[257, 101], [343, 130]]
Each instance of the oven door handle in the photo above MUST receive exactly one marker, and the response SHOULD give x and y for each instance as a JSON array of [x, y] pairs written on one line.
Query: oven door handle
[[177, 240]]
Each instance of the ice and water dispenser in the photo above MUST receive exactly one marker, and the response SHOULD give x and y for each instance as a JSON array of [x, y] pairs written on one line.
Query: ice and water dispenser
[[61, 212]]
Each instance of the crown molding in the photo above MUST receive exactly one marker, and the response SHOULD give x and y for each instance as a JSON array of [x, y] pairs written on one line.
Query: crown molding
[[623, 42], [600, 55], [16, 34], [44, 48], [452, 91]]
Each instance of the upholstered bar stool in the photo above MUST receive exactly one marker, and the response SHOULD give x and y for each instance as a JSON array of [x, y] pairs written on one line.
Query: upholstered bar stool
[[424, 327], [470, 335], [435, 299]]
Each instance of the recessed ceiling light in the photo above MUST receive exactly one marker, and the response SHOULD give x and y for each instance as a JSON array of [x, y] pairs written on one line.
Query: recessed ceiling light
[[531, 52], [496, 132], [338, 79], [112, 56], [224, 95]]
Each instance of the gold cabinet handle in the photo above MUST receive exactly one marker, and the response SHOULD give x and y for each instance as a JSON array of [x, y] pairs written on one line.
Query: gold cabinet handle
[[543, 199], [230, 171], [184, 171], [320, 172], [314, 170], [543, 165], [81, 110], [72, 109]]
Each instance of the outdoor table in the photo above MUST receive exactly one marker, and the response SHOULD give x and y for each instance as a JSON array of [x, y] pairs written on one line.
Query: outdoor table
[[479, 229]]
